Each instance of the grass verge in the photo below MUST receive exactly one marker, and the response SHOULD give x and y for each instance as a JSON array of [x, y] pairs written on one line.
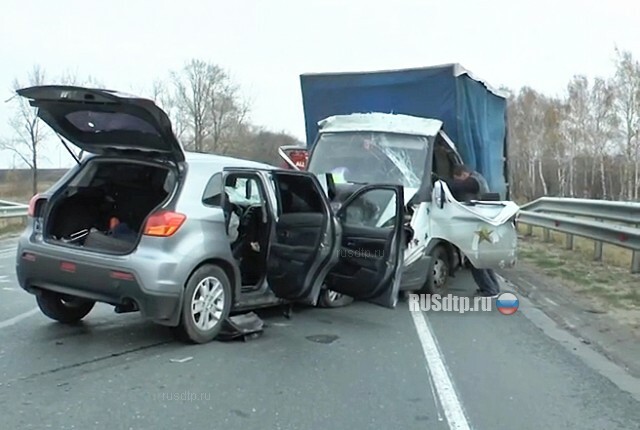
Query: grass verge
[[607, 286]]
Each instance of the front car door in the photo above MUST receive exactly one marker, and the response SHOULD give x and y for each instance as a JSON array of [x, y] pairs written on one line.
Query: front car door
[[371, 248], [484, 232]]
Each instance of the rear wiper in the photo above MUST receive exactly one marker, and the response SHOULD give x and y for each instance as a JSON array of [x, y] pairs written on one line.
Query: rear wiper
[[68, 149]]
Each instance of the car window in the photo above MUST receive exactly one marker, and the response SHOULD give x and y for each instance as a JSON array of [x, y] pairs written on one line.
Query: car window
[[243, 191], [373, 208], [298, 193], [212, 192]]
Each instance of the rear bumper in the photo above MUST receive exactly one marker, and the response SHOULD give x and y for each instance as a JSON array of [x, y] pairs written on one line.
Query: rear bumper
[[107, 279]]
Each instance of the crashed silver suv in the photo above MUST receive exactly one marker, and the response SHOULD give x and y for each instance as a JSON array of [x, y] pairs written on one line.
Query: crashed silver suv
[[144, 226]]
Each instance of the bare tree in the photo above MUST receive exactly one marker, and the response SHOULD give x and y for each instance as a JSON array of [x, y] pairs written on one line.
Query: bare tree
[[627, 81], [208, 105], [555, 112], [29, 131], [193, 87], [602, 128], [576, 124], [162, 95]]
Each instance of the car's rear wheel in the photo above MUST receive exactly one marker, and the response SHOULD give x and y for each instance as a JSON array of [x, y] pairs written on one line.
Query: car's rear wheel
[[206, 304], [331, 299], [64, 309], [438, 280]]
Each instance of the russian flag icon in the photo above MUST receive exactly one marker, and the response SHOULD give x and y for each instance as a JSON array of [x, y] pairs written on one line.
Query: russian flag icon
[[507, 303]]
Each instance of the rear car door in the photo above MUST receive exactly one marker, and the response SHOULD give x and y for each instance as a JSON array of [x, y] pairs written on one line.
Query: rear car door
[[303, 245], [371, 248], [484, 231]]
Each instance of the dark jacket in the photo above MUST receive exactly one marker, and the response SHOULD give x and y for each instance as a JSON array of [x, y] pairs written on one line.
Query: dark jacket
[[471, 188]]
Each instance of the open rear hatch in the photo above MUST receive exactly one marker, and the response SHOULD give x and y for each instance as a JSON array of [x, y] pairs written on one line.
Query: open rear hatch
[[105, 122], [104, 206]]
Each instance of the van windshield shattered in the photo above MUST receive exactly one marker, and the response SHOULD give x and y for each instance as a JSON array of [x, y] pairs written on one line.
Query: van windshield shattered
[[371, 157]]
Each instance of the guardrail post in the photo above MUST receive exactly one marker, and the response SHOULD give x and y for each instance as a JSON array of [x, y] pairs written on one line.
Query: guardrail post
[[529, 230], [546, 235], [597, 248], [635, 262], [569, 242], [597, 251]]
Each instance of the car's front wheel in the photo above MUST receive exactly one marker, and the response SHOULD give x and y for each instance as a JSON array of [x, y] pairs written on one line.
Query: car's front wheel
[[206, 304], [64, 309]]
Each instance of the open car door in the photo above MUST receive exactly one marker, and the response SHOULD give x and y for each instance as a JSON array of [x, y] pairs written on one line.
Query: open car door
[[484, 231], [303, 245], [371, 247]]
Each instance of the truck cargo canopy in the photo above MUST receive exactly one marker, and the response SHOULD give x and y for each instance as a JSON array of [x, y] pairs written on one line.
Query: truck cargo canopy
[[473, 114]]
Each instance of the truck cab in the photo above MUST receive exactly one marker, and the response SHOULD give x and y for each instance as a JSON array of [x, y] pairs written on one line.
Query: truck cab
[[416, 154], [354, 136]]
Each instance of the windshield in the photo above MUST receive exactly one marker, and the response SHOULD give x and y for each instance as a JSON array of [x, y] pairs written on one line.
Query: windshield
[[371, 157]]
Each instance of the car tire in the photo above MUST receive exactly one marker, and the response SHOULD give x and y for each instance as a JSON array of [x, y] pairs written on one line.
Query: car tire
[[64, 309], [206, 305], [331, 299], [438, 281]]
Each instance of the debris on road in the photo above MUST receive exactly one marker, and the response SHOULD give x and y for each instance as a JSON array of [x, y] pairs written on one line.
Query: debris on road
[[246, 327], [181, 360]]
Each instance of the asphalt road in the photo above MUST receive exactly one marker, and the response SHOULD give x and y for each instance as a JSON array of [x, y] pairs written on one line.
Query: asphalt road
[[357, 367]]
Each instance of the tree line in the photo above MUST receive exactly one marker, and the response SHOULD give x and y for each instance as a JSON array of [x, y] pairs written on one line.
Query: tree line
[[205, 105], [585, 143]]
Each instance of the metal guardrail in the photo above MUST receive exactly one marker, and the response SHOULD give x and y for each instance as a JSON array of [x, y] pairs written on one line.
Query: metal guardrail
[[12, 210], [602, 221]]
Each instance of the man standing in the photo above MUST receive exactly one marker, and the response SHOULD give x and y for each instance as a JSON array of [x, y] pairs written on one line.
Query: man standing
[[470, 185]]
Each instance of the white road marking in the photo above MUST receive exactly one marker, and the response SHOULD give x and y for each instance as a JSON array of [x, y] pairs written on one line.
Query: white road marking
[[437, 369], [551, 301], [9, 288], [18, 318]]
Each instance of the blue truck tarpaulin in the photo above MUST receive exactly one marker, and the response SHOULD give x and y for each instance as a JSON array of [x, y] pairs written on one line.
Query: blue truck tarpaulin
[[474, 115]]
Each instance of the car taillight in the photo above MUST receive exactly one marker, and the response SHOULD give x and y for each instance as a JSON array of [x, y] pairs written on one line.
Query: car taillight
[[35, 206], [299, 158], [164, 223]]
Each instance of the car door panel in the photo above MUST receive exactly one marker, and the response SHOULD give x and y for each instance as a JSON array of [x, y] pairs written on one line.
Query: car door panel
[[369, 256], [304, 243], [485, 232]]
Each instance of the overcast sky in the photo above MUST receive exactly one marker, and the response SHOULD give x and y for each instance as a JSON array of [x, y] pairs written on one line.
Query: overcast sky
[[266, 45]]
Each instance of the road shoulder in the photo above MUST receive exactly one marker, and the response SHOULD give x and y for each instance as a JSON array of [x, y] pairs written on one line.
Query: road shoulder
[[586, 304]]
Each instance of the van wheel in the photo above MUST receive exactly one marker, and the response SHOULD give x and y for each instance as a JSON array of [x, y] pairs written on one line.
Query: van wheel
[[62, 308], [331, 299], [206, 305], [438, 280]]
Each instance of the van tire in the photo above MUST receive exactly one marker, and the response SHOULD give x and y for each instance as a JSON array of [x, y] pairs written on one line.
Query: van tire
[[64, 309], [207, 277], [438, 280]]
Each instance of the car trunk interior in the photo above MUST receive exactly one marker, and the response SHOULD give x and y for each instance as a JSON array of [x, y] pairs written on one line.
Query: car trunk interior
[[104, 206]]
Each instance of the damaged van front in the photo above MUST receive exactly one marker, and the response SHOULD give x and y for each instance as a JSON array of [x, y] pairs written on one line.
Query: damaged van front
[[417, 154]]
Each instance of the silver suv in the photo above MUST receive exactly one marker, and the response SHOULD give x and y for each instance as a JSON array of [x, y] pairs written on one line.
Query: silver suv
[[144, 226]]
